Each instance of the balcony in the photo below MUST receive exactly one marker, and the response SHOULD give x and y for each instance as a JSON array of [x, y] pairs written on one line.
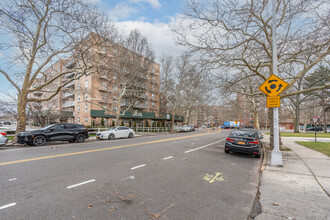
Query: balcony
[[104, 89], [67, 95], [70, 85], [141, 106], [69, 104], [104, 77], [38, 93], [70, 75], [125, 104]]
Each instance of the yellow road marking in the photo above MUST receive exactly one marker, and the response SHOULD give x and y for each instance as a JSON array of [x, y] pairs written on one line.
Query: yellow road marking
[[212, 178], [96, 150]]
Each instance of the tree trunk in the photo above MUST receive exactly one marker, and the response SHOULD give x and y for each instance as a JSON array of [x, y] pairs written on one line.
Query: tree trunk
[[325, 126], [172, 124], [255, 114], [297, 115], [118, 114], [21, 115]]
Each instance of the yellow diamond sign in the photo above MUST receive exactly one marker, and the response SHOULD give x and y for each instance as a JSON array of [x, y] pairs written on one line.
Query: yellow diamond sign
[[273, 86]]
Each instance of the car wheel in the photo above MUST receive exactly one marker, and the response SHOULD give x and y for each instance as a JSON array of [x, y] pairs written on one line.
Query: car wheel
[[257, 156], [39, 140], [80, 138], [111, 137], [130, 135]]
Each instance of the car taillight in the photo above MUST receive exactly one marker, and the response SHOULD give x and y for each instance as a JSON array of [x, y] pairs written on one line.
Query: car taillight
[[254, 142], [229, 139], [86, 129], [4, 134]]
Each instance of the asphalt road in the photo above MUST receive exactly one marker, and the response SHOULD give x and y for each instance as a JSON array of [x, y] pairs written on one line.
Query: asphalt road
[[180, 176]]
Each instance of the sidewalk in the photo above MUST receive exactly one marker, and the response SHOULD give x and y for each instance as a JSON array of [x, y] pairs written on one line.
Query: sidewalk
[[298, 190]]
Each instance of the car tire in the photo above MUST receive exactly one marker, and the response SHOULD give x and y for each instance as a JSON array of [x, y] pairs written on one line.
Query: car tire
[[111, 137], [80, 138], [257, 156], [227, 151], [130, 135], [39, 140]]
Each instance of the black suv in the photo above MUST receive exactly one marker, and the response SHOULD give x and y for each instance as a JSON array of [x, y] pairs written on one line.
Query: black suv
[[244, 141], [56, 132]]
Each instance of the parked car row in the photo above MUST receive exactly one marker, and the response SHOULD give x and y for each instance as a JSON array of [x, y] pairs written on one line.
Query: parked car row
[[187, 128]]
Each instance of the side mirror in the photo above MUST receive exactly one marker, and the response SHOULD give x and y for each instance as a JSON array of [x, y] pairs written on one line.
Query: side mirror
[[261, 137], [116, 129], [52, 129]]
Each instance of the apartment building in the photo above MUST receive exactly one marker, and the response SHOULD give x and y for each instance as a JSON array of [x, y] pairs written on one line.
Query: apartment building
[[122, 83], [207, 115]]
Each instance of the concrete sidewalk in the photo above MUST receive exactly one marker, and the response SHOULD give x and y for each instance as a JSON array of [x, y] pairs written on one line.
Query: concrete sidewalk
[[298, 190]]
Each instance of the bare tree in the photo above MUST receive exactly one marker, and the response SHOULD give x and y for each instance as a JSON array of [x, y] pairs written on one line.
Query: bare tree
[[41, 33], [239, 34]]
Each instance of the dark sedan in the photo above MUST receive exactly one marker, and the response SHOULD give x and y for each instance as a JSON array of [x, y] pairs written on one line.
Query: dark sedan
[[318, 128], [244, 141], [57, 132]]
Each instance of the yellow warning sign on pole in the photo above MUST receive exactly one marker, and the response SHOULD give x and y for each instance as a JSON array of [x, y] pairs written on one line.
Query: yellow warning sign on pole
[[273, 101], [273, 86]]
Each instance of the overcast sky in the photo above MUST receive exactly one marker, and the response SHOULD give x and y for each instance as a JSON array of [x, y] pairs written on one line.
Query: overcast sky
[[151, 17]]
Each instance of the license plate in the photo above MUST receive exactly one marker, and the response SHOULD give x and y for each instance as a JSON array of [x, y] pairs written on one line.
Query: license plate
[[241, 142]]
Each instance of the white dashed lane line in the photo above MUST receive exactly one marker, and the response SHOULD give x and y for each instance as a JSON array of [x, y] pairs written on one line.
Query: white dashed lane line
[[7, 206], [166, 158], [79, 184], [198, 148], [13, 179], [133, 168]]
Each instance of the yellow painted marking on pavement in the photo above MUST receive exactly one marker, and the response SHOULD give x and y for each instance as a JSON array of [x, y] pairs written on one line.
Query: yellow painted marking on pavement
[[97, 150], [212, 178]]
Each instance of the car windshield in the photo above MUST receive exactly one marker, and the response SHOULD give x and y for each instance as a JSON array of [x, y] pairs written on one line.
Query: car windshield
[[111, 129], [250, 134], [45, 128]]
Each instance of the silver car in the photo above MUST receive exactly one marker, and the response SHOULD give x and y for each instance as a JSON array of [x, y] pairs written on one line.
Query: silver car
[[3, 139]]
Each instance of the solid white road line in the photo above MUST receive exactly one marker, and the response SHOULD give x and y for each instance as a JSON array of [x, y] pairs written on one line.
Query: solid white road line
[[79, 184], [133, 168], [13, 179], [166, 158], [7, 206], [198, 148]]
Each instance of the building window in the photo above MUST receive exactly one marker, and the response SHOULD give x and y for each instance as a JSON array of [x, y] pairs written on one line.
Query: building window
[[114, 77], [86, 120], [78, 98], [78, 86], [78, 109], [86, 108], [114, 108], [86, 96], [104, 49], [153, 96], [114, 99], [86, 84], [78, 120], [153, 104], [115, 87]]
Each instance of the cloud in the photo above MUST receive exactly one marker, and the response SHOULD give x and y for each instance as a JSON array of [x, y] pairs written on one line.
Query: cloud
[[121, 11], [158, 34], [92, 1], [155, 4], [1, 55]]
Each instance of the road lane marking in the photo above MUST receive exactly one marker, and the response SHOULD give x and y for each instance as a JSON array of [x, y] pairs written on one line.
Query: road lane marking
[[212, 178], [7, 206], [130, 177], [198, 148], [79, 184], [166, 158], [13, 179], [133, 168], [100, 149]]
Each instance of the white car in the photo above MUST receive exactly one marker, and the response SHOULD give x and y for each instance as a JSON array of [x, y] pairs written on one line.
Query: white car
[[185, 128], [117, 132], [3, 139]]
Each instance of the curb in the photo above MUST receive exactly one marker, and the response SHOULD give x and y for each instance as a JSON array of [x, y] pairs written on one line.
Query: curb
[[257, 208]]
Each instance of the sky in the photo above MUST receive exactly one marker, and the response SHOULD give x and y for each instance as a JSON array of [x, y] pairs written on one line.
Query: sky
[[151, 17]]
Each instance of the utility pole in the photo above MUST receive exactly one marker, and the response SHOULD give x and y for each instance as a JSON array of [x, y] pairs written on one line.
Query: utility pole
[[276, 157]]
